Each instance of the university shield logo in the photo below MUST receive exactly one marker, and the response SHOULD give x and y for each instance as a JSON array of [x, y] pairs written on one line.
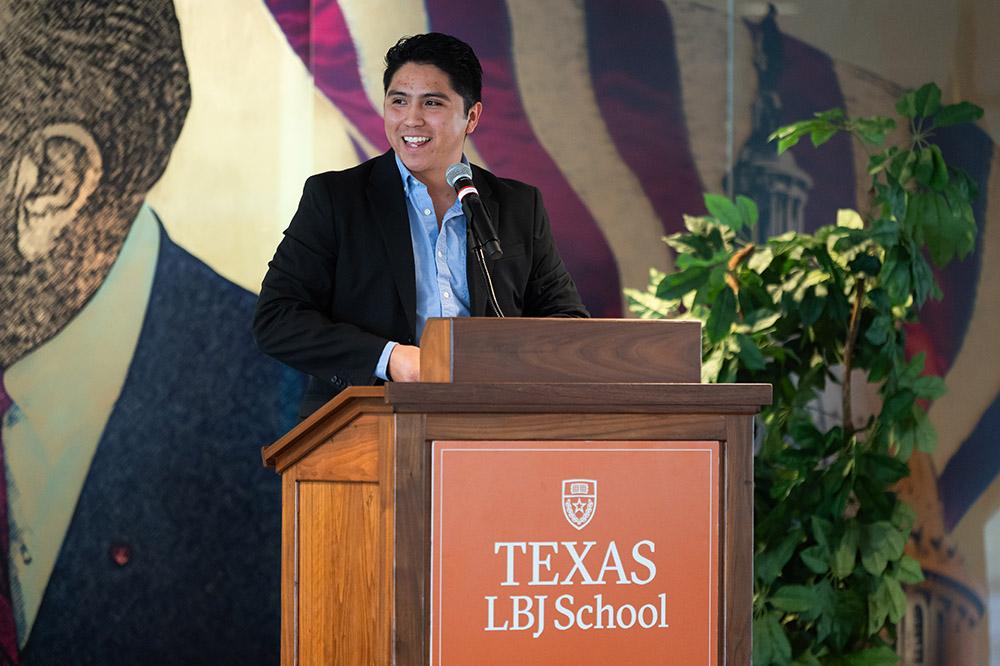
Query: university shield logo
[[579, 501]]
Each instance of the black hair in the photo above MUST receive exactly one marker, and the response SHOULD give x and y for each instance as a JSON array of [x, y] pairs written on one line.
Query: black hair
[[449, 54]]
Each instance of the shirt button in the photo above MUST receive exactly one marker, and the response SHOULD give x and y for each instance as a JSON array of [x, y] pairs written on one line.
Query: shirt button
[[440, 253], [427, 211], [446, 295]]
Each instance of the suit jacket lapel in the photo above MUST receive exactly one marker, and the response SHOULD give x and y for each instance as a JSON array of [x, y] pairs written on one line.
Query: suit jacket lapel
[[478, 302], [385, 195]]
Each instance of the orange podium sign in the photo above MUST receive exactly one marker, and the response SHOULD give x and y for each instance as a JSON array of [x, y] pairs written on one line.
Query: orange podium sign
[[572, 552]]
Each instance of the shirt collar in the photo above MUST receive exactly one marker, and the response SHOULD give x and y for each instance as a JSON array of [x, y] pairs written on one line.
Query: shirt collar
[[409, 180]]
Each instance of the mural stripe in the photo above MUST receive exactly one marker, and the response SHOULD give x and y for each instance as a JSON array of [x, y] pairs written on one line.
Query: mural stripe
[[507, 141], [972, 469], [637, 84]]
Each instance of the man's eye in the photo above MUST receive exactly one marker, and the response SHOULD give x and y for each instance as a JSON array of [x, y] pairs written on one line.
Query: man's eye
[[398, 101], [432, 102]]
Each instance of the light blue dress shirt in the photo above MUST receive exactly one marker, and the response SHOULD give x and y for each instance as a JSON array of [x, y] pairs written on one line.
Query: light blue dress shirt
[[438, 259]]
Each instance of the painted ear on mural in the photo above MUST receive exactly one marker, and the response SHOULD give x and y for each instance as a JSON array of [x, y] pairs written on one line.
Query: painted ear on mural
[[57, 174]]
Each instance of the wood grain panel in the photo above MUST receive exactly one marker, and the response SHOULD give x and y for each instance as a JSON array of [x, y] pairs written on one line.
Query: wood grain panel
[[323, 424], [413, 540], [578, 398], [338, 583], [289, 591], [435, 351], [565, 350], [737, 525], [387, 508], [351, 455], [585, 426]]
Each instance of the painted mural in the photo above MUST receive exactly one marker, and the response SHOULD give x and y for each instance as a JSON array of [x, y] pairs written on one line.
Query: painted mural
[[152, 151], [142, 526]]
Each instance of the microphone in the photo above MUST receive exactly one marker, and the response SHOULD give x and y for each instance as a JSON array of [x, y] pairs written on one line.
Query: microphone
[[459, 176]]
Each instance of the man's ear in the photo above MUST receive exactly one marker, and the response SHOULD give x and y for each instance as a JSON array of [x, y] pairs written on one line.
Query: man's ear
[[56, 174], [472, 119]]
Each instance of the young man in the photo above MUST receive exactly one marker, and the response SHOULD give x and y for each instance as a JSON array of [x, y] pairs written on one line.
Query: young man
[[374, 251]]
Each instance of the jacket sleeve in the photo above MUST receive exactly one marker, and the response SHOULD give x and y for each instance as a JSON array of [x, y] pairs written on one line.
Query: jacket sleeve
[[550, 291], [292, 322]]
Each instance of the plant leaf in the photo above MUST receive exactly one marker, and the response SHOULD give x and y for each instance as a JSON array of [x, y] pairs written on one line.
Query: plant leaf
[[794, 598], [955, 114], [880, 543], [878, 608], [821, 135], [762, 648], [768, 565], [817, 558], [724, 210], [849, 219], [678, 284], [924, 169], [722, 316], [750, 355], [787, 142], [748, 210], [939, 177], [873, 130], [928, 100], [909, 571], [842, 564], [897, 599], [770, 645], [876, 656], [806, 659]]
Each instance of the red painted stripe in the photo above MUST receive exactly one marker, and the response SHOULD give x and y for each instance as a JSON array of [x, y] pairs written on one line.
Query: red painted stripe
[[508, 143]]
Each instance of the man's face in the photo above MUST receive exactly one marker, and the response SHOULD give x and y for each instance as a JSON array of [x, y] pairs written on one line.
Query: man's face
[[425, 121]]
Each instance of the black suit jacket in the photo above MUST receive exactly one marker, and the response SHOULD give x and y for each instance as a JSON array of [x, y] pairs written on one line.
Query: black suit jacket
[[342, 281]]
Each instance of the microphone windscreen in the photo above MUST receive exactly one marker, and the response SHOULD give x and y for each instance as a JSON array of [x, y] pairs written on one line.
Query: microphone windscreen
[[456, 172]]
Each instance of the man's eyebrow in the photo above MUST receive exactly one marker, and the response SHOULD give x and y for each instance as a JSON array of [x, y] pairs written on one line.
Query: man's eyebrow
[[433, 94]]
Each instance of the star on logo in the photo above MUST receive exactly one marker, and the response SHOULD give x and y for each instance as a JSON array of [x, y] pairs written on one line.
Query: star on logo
[[579, 501]]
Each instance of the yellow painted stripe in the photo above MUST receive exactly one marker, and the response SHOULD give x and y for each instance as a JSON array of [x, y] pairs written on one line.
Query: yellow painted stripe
[[550, 59], [376, 25]]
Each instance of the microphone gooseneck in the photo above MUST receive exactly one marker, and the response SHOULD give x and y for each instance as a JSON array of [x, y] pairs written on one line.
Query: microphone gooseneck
[[484, 241]]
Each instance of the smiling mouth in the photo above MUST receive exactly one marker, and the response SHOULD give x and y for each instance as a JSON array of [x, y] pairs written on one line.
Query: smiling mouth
[[415, 141]]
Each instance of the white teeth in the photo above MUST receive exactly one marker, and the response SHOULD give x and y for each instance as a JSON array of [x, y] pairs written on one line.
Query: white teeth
[[416, 139]]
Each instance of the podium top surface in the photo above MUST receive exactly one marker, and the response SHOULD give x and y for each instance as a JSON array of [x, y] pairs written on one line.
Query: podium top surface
[[479, 350], [554, 366]]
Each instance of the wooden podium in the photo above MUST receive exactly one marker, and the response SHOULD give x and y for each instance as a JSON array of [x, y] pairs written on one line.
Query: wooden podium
[[360, 525]]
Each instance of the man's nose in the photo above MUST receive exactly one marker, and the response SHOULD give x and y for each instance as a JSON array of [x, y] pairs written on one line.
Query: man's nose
[[414, 115]]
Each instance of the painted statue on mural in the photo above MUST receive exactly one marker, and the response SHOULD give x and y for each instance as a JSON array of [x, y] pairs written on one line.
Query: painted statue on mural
[[142, 526]]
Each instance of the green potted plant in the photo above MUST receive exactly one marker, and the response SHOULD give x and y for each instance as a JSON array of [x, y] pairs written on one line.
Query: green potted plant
[[805, 312]]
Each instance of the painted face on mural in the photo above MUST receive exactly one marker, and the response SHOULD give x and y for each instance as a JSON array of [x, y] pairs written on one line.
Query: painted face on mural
[[53, 256], [425, 121], [80, 145]]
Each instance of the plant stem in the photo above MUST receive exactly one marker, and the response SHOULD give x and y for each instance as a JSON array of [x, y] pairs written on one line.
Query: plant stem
[[852, 336]]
